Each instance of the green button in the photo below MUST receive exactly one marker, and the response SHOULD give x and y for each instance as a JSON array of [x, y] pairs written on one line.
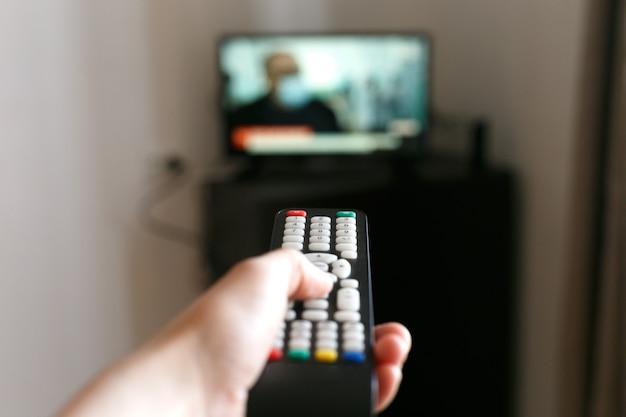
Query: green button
[[299, 355], [346, 214]]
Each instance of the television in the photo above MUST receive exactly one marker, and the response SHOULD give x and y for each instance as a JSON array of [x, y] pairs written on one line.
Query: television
[[325, 94]]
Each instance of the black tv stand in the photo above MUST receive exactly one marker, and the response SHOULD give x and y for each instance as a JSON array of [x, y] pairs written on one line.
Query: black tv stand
[[443, 248], [323, 166]]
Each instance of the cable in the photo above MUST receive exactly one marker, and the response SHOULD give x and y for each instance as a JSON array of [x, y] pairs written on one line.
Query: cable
[[180, 176]]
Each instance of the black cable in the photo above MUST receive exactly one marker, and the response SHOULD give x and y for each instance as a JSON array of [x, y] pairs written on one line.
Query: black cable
[[180, 176]]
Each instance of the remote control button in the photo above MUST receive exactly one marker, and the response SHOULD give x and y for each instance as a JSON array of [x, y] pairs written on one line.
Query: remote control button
[[324, 334], [348, 233], [341, 247], [299, 213], [343, 316], [326, 344], [275, 355], [298, 219], [316, 303], [319, 239], [346, 220], [293, 238], [321, 257], [320, 232], [353, 335], [326, 355], [353, 326], [301, 324], [290, 315], [320, 226], [293, 232], [300, 343], [318, 247], [345, 213], [303, 331], [293, 245], [327, 325], [353, 346], [349, 254], [341, 268], [315, 315], [300, 334], [348, 299], [294, 225], [299, 355], [346, 239], [354, 357], [349, 283], [345, 226], [320, 219]]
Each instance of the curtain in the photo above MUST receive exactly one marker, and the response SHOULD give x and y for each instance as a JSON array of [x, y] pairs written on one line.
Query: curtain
[[593, 377], [607, 388]]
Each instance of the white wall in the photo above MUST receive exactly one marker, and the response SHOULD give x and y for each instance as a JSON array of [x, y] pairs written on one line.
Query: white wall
[[93, 93]]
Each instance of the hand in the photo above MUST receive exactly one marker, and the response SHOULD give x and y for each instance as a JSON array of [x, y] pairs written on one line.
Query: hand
[[207, 359]]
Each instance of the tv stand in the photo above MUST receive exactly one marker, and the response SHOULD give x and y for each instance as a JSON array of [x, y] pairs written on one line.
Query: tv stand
[[322, 165], [443, 257]]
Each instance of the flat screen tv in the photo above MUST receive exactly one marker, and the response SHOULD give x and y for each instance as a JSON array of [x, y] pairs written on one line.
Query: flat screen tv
[[341, 94]]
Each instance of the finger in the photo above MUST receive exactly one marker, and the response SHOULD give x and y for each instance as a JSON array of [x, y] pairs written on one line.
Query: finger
[[276, 276], [306, 281], [389, 379], [395, 328], [393, 343]]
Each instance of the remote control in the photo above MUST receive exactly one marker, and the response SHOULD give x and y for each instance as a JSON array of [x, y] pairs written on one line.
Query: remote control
[[322, 363]]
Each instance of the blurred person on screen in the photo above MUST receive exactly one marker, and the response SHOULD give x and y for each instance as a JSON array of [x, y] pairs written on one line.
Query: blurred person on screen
[[288, 101]]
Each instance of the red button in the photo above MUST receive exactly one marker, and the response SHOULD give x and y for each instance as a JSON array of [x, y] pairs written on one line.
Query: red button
[[276, 354], [300, 213]]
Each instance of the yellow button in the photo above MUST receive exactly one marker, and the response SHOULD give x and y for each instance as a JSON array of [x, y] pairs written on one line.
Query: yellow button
[[326, 355]]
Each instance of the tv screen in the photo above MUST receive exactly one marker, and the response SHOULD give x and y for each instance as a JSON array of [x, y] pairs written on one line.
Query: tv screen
[[325, 94]]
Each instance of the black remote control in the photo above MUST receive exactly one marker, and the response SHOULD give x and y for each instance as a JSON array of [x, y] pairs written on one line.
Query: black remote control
[[322, 364]]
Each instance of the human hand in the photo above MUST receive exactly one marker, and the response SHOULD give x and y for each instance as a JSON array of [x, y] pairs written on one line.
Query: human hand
[[208, 358]]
